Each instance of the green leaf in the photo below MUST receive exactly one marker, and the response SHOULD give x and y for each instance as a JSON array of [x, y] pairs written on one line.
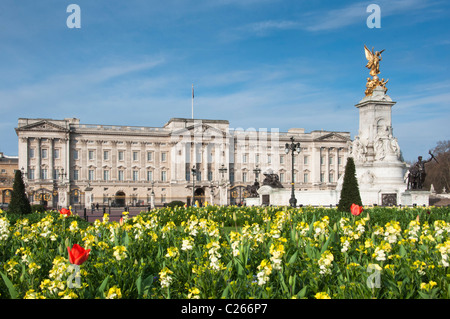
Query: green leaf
[[283, 284], [12, 290], [325, 246], [225, 292], [126, 240], [302, 292], [101, 289], [402, 251], [139, 285], [293, 258], [424, 295]]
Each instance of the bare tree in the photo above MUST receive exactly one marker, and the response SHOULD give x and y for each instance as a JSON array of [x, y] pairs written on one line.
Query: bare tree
[[438, 172]]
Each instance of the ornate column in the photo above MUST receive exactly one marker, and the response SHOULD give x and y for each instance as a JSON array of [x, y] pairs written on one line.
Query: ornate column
[[99, 161], [114, 170], [38, 158], [83, 156], [51, 157]]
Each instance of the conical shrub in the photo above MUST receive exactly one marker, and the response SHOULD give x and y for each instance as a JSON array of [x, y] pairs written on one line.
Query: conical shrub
[[350, 190], [19, 201]]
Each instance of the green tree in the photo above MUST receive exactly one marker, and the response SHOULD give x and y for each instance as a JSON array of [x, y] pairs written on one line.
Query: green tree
[[350, 190], [19, 202]]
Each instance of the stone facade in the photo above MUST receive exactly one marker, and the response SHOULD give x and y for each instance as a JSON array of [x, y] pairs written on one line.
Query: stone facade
[[8, 167], [69, 163]]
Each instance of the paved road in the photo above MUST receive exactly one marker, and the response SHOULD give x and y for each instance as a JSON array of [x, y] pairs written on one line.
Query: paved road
[[115, 213]]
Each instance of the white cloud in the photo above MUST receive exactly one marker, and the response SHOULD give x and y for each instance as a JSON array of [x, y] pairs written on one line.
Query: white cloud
[[55, 89]]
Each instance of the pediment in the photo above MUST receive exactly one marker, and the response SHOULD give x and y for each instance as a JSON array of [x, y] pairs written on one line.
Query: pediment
[[332, 137], [200, 129], [44, 125]]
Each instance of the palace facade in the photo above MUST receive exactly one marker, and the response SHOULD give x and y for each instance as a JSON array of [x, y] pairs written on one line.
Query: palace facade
[[67, 163]]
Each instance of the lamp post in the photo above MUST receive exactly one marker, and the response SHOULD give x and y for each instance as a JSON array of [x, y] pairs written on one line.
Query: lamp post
[[293, 147], [194, 174], [257, 170]]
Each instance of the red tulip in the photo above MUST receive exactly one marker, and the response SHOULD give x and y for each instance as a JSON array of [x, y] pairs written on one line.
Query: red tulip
[[78, 255], [356, 209], [65, 211]]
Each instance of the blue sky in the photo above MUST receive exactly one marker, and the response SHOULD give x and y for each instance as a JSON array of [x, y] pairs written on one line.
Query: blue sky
[[257, 63]]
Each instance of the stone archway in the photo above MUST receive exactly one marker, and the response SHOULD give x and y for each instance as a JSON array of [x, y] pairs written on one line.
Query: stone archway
[[6, 196], [120, 199], [200, 195]]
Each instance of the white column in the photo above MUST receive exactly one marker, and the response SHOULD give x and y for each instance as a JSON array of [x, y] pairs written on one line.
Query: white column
[[67, 168], [51, 157], [38, 159]]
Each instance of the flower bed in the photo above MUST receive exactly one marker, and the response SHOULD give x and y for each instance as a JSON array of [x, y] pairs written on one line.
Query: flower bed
[[229, 252]]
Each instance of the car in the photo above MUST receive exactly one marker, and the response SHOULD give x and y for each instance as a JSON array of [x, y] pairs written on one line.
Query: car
[[4, 205]]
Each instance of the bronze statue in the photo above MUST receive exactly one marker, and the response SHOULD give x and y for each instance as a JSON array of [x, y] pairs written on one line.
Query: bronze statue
[[417, 173], [272, 180], [253, 189]]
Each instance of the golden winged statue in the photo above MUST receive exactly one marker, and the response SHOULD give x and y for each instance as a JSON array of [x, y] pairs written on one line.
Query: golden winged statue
[[373, 65], [373, 59]]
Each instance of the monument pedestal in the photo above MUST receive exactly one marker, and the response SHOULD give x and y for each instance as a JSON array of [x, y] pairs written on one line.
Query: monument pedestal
[[416, 197], [376, 153], [223, 193], [252, 201]]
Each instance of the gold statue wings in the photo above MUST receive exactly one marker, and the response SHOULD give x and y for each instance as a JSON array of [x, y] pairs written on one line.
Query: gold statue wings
[[373, 59]]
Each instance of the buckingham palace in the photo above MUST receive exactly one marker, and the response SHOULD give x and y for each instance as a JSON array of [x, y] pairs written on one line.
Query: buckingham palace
[[65, 162]]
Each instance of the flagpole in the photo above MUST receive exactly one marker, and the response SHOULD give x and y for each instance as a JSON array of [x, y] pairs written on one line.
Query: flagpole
[[192, 100]]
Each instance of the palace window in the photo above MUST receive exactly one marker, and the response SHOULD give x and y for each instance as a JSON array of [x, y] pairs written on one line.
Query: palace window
[[91, 175]]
